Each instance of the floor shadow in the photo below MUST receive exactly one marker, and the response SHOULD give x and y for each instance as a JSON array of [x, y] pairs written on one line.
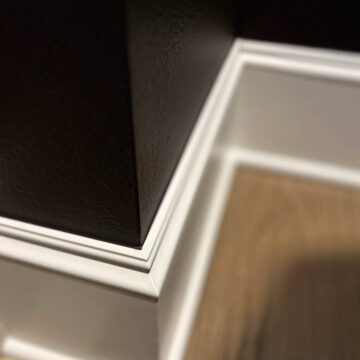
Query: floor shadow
[[314, 314]]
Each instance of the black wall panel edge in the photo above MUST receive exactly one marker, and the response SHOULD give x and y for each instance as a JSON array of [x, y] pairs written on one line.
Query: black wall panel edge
[[87, 146], [176, 49], [67, 156]]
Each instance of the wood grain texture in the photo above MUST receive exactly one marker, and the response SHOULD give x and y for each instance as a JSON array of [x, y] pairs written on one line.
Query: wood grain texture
[[285, 280]]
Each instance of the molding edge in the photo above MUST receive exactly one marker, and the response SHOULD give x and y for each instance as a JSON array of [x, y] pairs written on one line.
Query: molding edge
[[146, 272]]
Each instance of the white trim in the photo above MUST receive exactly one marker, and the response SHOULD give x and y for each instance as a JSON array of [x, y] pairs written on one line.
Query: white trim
[[295, 166], [61, 247], [59, 251], [72, 243], [141, 259], [214, 109], [26, 351], [308, 54], [207, 236], [170, 270], [111, 275], [325, 64], [302, 67]]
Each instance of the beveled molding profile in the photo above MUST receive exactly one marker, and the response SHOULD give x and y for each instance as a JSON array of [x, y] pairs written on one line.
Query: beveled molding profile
[[143, 270], [280, 107]]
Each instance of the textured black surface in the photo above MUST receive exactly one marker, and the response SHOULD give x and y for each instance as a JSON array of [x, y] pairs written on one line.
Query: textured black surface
[[88, 145], [176, 49], [72, 118], [66, 146], [313, 23]]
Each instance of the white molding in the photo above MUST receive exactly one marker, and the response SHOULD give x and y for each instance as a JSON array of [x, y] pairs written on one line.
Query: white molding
[[196, 150], [321, 63], [295, 166], [297, 52], [204, 229], [27, 351], [72, 243], [243, 122], [87, 269], [314, 63]]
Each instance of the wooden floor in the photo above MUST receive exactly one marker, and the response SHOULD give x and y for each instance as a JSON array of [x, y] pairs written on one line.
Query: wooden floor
[[285, 280]]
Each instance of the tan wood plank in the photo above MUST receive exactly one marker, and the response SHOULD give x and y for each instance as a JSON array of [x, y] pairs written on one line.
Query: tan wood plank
[[285, 279]]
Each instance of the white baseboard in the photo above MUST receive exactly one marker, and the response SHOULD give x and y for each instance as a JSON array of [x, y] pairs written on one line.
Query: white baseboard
[[280, 107]]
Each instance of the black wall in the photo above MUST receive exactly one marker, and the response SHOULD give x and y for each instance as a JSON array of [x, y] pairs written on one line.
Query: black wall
[[86, 145], [67, 157], [327, 24], [98, 98], [176, 49]]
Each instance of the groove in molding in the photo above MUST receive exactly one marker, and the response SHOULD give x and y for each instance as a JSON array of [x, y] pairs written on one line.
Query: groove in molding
[[230, 131], [144, 271]]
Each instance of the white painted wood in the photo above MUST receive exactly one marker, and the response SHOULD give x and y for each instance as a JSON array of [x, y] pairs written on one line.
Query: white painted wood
[[27, 351], [131, 261], [140, 259], [297, 52], [186, 278], [274, 137], [296, 166], [69, 300], [298, 109], [62, 297], [100, 272], [48, 315], [71, 243]]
